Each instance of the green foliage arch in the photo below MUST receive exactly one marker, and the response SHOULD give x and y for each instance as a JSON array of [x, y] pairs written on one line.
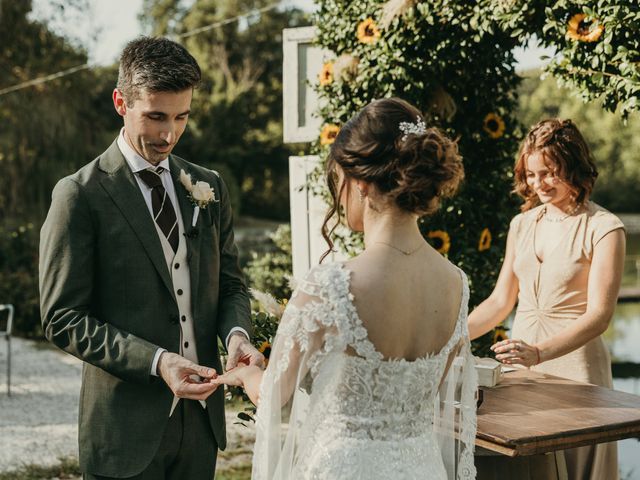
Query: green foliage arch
[[453, 59]]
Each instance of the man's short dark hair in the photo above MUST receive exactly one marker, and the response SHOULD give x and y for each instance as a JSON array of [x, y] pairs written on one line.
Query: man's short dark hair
[[156, 64]]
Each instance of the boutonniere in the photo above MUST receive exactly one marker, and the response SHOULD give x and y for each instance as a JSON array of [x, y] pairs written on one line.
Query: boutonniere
[[200, 193]]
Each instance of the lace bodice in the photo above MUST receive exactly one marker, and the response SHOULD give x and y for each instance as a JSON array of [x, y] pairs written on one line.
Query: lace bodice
[[355, 408]]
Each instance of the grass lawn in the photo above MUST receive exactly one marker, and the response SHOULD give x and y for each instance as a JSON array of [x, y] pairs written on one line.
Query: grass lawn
[[68, 469]]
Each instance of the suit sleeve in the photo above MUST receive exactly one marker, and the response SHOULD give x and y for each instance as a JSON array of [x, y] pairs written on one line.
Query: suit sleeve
[[234, 309], [67, 259]]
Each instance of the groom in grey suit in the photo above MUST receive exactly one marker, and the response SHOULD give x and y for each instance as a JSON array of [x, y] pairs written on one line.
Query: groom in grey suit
[[139, 276]]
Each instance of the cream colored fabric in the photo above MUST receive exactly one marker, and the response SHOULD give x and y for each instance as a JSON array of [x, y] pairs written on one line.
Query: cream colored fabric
[[181, 280], [553, 294]]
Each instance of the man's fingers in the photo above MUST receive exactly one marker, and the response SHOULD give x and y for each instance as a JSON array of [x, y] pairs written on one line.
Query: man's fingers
[[206, 372], [232, 360], [246, 359], [196, 391], [257, 360]]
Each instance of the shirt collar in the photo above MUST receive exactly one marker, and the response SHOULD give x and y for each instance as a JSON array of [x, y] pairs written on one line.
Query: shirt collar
[[136, 162]]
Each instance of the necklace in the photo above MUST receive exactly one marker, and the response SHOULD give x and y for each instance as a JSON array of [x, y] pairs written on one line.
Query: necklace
[[573, 211], [404, 252]]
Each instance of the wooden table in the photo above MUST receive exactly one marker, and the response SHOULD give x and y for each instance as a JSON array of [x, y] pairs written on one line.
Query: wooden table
[[530, 413]]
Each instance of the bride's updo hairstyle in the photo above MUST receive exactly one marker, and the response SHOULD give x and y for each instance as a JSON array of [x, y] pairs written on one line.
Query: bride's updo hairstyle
[[412, 166]]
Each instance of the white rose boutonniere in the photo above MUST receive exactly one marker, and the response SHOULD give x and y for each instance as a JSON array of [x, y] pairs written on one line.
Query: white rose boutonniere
[[201, 194]]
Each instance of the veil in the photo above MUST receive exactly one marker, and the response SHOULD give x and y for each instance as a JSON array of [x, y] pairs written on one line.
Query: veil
[[455, 420], [315, 324]]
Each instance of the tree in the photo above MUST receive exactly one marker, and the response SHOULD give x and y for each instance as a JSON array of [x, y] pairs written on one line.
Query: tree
[[613, 142], [597, 44], [48, 131], [237, 119]]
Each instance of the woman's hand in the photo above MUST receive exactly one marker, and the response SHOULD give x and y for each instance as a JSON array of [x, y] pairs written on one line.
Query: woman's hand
[[516, 352], [236, 376], [246, 376]]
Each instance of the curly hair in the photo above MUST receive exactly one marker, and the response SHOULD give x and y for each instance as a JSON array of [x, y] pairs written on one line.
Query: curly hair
[[414, 170], [564, 147]]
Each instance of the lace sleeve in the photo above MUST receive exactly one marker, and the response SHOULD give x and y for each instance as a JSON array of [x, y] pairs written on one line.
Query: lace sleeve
[[307, 331]]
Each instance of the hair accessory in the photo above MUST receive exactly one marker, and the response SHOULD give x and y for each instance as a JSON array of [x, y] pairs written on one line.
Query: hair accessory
[[409, 128]]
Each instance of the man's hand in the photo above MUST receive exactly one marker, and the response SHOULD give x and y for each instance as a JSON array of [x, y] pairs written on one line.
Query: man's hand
[[184, 377], [241, 351]]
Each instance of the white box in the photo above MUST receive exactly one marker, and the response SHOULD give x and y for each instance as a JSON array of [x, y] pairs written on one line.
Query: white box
[[489, 371]]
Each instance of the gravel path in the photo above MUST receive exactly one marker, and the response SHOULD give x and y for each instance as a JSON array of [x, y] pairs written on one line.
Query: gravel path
[[38, 423]]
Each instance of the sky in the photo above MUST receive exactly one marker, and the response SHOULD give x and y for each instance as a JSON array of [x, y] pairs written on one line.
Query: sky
[[112, 23]]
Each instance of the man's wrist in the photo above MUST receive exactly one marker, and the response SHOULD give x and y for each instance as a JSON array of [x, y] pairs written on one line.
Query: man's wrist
[[238, 333], [234, 331], [155, 369]]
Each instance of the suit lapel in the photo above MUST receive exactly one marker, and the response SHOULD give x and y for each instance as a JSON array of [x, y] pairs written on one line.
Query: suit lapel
[[124, 191], [192, 234]]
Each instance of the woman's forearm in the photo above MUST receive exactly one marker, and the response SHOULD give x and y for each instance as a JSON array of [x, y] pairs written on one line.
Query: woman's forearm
[[251, 378], [486, 316]]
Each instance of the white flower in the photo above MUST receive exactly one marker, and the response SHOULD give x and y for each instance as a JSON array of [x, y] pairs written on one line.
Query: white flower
[[345, 67], [292, 282], [393, 9], [200, 193], [266, 301], [185, 179]]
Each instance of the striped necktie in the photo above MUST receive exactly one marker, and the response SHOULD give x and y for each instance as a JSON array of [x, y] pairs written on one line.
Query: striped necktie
[[163, 212]]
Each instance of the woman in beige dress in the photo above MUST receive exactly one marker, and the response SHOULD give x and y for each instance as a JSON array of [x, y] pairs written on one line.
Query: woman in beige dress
[[563, 264]]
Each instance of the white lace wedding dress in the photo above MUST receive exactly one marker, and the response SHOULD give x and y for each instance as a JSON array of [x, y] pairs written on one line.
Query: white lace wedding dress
[[331, 407]]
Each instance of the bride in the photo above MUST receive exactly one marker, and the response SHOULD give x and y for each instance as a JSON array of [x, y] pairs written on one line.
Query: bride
[[362, 382]]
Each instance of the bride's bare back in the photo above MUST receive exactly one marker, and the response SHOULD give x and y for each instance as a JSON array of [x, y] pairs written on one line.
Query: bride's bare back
[[409, 304]]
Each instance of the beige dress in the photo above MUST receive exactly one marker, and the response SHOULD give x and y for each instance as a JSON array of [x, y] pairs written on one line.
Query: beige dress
[[553, 294]]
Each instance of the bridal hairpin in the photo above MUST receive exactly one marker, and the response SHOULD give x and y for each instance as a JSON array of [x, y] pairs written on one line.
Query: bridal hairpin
[[409, 128]]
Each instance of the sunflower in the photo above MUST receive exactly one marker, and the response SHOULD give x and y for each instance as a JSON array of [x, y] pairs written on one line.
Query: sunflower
[[368, 31], [442, 240], [578, 29], [328, 134], [499, 334], [485, 240], [494, 125], [265, 349], [326, 75]]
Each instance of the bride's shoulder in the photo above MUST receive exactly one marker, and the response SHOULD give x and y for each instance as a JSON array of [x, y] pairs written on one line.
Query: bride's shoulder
[[326, 271], [324, 280]]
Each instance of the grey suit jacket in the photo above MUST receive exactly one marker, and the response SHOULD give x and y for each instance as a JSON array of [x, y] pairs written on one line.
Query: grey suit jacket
[[107, 298]]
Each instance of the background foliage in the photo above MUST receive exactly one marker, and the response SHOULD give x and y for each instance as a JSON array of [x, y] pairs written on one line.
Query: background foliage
[[237, 112], [606, 68], [614, 141], [270, 272], [51, 130], [441, 58], [452, 59]]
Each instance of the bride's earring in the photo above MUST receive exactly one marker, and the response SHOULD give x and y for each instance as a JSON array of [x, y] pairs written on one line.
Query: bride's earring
[[361, 194]]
